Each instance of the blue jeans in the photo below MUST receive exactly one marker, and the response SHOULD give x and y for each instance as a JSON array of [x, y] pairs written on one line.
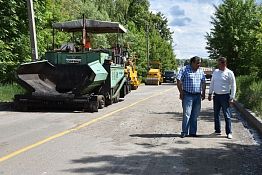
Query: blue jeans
[[222, 101], [191, 104]]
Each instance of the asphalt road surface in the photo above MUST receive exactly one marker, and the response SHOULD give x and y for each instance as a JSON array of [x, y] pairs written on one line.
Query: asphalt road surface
[[139, 135]]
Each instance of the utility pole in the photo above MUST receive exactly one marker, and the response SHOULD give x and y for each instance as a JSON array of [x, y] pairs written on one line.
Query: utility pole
[[31, 19], [84, 32], [147, 46]]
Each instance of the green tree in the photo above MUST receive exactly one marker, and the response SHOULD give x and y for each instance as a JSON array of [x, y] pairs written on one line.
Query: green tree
[[231, 36], [133, 14], [258, 45], [138, 12], [13, 28], [160, 22]]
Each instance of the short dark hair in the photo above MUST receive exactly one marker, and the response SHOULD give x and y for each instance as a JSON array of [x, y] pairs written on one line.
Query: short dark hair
[[194, 59], [222, 59]]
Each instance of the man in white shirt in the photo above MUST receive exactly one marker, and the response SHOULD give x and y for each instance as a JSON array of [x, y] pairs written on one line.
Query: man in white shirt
[[223, 88]]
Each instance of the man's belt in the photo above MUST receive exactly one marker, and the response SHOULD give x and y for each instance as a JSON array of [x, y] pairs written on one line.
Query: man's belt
[[194, 93]]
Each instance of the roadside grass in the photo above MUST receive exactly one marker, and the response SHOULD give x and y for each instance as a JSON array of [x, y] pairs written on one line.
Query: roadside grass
[[8, 91], [249, 93]]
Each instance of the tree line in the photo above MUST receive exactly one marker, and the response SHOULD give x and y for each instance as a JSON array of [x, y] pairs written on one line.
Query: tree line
[[133, 14], [236, 32]]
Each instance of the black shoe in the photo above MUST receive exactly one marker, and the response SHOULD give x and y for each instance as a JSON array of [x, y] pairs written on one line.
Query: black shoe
[[183, 135], [192, 135]]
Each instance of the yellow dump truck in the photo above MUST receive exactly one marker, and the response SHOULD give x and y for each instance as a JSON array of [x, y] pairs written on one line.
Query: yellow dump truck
[[154, 75]]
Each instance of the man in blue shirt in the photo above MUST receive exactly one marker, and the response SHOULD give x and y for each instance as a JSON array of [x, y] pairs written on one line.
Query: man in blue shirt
[[191, 84]]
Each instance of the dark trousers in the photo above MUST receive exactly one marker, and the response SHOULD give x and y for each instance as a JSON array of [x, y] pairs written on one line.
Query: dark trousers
[[222, 101]]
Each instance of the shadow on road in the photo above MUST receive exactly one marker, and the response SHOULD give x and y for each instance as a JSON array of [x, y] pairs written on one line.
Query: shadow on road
[[154, 135], [229, 158], [5, 106], [212, 135]]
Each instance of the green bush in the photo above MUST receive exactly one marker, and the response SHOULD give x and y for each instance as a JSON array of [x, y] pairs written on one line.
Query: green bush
[[7, 72], [255, 97], [249, 93]]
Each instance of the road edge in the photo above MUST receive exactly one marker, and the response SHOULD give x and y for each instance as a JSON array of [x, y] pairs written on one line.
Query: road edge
[[249, 116]]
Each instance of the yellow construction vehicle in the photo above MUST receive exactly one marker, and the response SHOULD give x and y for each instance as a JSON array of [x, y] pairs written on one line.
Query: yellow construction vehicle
[[131, 73], [154, 75]]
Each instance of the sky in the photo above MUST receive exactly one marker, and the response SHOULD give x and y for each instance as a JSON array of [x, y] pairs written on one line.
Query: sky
[[190, 21]]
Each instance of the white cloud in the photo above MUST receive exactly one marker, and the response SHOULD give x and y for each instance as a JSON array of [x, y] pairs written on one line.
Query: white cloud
[[190, 21]]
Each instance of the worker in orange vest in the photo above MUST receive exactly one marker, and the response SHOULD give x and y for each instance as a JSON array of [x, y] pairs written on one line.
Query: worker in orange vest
[[87, 43]]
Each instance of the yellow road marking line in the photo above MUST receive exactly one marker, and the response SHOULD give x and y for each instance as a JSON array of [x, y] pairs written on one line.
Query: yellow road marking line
[[22, 150]]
